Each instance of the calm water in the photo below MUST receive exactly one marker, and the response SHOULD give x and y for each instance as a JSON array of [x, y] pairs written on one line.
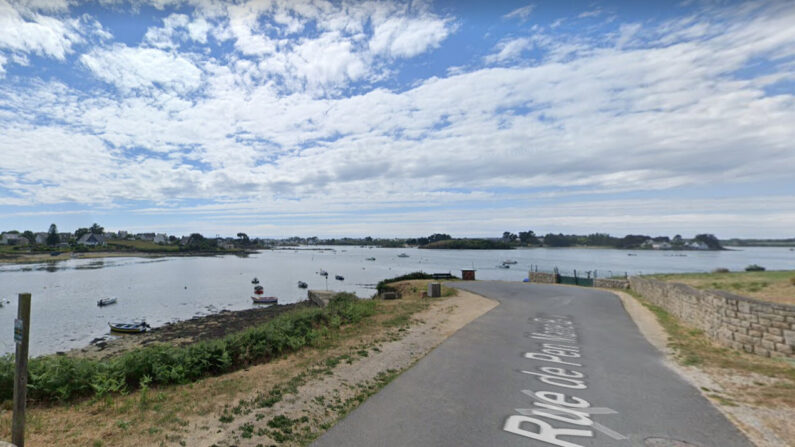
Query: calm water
[[65, 314]]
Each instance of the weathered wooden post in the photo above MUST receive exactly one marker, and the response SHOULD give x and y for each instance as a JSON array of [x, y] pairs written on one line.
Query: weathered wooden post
[[21, 337]]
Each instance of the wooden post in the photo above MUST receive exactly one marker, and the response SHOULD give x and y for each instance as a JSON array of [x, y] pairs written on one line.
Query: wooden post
[[21, 377]]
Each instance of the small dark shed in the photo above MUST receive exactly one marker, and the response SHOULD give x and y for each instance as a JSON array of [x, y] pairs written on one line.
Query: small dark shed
[[468, 274]]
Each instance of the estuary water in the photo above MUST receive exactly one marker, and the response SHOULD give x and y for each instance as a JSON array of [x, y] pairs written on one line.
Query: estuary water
[[65, 315]]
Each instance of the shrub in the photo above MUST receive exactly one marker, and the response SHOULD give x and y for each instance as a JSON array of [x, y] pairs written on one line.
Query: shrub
[[382, 285], [63, 378], [791, 281], [754, 268], [721, 270]]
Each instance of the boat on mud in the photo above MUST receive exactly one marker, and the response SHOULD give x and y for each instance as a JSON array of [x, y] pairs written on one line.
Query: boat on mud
[[264, 299], [129, 328]]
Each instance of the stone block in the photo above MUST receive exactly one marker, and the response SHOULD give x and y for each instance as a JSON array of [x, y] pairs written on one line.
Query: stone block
[[784, 349], [761, 351], [773, 338], [789, 337], [769, 345], [755, 334]]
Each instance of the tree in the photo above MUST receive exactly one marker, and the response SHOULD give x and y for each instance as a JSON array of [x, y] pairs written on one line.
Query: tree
[[243, 238], [509, 237], [96, 229], [709, 240], [52, 236], [528, 237], [557, 240], [29, 236], [438, 237]]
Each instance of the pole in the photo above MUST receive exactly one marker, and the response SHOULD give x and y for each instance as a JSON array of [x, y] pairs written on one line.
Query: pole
[[22, 337]]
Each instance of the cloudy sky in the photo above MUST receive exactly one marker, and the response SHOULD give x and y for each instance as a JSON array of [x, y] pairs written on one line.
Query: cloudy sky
[[288, 117]]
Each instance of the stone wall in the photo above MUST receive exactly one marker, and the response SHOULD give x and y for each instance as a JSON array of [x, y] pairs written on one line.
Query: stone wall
[[608, 283], [739, 322], [544, 278]]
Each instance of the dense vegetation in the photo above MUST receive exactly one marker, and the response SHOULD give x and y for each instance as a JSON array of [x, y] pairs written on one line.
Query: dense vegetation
[[62, 378], [469, 244], [383, 286]]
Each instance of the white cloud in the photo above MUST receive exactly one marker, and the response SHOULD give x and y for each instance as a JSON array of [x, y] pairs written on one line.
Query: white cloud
[[143, 68], [521, 13], [509, 50], [25, 30], [408, 37]]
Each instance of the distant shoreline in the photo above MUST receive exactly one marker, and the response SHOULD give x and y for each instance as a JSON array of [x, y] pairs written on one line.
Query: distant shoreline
[[38, 258]]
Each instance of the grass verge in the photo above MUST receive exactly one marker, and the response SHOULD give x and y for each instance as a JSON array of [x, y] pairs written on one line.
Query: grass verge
[[774, 286], [161, 414], [691, 347]]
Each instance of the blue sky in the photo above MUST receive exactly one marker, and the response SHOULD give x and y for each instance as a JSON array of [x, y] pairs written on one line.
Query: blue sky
[[282, 118]]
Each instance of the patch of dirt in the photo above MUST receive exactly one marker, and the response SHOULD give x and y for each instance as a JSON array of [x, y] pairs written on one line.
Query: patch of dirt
[[185, 332], [734, 394], [322, 400]]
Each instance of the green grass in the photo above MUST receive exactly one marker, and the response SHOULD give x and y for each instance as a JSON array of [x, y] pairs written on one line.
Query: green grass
[[776, 285], [146, 246], [63, 378], [693, 347]]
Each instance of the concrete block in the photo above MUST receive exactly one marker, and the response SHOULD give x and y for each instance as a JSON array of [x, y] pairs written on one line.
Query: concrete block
[[434, 290], [320, 297]]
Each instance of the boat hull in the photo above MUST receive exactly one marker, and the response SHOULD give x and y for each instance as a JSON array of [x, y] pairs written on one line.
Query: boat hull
[[264, 300], [126, 328]]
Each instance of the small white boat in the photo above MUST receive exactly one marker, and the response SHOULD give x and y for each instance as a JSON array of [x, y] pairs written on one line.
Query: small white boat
[[129, 328], [322, 273], [403, 255], [509, 262], [106, 301], [503, 266]]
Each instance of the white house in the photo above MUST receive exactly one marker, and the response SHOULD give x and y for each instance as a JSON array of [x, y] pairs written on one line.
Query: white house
[[91, 240], [13, 239], [160, 238], [697, 245]]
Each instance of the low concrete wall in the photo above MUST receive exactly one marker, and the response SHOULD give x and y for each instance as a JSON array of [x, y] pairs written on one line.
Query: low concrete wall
[[320, 297], [739, 322], [608, 283], [545, 278]]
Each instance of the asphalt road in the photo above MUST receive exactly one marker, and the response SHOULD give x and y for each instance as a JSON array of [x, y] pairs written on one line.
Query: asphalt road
[[549, 366]]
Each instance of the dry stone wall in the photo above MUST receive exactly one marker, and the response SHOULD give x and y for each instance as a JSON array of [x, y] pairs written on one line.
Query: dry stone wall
[[739, 322], [544, 278]]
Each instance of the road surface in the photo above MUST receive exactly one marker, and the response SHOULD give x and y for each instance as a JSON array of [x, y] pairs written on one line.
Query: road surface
[[549, 366]]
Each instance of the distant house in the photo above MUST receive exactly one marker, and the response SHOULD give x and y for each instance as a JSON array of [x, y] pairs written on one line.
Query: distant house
[[697, 245], [648, 243], [41, 238], [123, 234], [13, 239], [185, 240], [160, 238], [145, 236], [91, 240], [661, 246]]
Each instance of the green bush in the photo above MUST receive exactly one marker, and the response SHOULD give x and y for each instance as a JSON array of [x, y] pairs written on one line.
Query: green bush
[[62, 378], [754, 268], [383, 287]]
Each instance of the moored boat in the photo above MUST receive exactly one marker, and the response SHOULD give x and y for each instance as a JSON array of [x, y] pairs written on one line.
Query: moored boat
[[503, 266], [370, 259], [264, 299], [403, 255], [322, 272], [302, 285], [106, 301], [509, 261], [259, 290], [339, 278], [129, 328], [255, 280]]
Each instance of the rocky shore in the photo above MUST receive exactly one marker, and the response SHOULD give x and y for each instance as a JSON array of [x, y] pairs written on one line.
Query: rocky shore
[[184, 332]]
